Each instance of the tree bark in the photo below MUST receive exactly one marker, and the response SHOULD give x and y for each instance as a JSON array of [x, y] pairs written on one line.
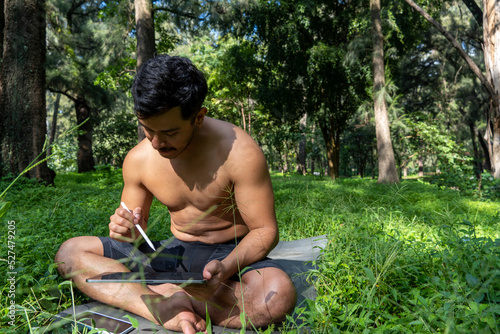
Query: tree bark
[[144, 21], [145, 27], [477, 157], [85, 158], [243, 118], [386, 161], [332, 139], [2, 25], [491, 50], [420, 163], [486, 151], [23, 87]]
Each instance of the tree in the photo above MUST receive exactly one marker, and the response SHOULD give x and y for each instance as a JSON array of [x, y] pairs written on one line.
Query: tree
[[23, 87], [81, 45], [491, 36], [232, 80], [302, 67], [490, 81], [145, 31], [145, 34], [386, 161]]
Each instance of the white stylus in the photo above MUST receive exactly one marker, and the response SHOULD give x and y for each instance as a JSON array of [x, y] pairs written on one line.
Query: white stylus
[[141, 230]]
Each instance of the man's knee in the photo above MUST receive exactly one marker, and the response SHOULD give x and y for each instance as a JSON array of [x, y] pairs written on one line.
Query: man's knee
[[277, 297], [282, 301], [74, 247]]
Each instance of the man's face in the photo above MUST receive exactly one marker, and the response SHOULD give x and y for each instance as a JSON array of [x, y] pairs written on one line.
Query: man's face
[[168, 133]]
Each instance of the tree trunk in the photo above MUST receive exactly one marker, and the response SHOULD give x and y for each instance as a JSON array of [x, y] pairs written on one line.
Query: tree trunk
[[23, 87], [2, 25], [144, 21], [386, 162], [332, 139], [478, 165], [250, 123], [145, 27], [486, 152], [85, 158], [420, 163], [491, 36], [243, 118], [53, 126], [301, 157]]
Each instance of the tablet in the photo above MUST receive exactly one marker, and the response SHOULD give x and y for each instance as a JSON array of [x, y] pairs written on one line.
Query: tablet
[[149, 278], [88, 321], [105, 324]]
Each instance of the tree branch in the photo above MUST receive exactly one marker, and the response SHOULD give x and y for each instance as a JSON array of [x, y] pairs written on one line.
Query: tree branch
[[65, 93], [177, 12]]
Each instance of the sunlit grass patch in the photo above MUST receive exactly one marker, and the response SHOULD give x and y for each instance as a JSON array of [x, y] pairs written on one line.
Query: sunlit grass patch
[[403, 258]]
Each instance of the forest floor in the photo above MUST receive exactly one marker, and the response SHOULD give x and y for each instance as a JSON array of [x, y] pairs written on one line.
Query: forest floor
[[410, 257]]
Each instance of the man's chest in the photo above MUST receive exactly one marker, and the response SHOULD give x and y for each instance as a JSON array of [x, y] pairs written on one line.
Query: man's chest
[[200, 189]]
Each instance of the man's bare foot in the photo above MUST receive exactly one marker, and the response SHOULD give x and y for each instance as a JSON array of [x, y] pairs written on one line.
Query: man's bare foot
[[176, 313]]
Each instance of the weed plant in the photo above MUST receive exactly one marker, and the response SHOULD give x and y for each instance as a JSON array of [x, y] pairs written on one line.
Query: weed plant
[[406, 258]]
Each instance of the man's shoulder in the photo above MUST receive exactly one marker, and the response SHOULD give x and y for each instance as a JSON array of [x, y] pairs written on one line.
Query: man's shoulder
[[243, 152], [231, 132], [139, 151], [137, 156]]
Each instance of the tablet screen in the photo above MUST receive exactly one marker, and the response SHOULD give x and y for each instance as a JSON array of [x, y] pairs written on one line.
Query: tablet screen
[[102, 321]]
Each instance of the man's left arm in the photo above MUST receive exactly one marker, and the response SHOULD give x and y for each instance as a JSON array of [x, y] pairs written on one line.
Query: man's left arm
[[255, 202]]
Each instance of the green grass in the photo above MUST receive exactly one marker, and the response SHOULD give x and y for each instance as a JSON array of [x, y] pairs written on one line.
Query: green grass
[[404, 258]]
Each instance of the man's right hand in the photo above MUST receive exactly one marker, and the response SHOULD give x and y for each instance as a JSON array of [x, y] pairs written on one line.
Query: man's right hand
[[122, 224]]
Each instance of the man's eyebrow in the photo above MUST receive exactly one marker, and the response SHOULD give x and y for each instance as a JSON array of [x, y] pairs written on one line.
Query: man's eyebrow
[[168, 130]]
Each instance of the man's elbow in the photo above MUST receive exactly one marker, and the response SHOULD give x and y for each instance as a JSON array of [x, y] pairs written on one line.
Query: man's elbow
[[276, 240]]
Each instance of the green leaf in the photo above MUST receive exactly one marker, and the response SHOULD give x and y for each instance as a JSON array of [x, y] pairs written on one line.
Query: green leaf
[[243, 322], [4, 207], [471, 279], [370, 275], [134, 321]]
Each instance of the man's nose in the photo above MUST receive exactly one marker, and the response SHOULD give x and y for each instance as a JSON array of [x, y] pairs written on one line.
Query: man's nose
[[158, 142]]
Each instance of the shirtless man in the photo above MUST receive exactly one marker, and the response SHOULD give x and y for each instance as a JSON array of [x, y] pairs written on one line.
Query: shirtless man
[[192, 164]]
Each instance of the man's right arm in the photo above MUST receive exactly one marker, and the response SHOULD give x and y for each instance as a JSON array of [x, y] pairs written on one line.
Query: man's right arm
[[135, 195]]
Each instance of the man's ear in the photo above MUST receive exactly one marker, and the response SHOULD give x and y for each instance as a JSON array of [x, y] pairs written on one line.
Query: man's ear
[[200, 117]]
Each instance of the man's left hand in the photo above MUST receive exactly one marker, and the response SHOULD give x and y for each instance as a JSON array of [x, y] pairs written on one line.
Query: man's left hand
[[214, 273]]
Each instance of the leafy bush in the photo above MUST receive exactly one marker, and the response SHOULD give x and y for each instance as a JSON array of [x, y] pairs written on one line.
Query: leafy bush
[[114, 136], [486, 187]]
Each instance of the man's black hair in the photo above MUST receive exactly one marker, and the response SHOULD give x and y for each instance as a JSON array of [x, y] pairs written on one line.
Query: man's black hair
[[165, 82]]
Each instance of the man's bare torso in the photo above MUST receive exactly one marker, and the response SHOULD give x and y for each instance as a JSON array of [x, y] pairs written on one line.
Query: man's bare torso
[[199, 191]]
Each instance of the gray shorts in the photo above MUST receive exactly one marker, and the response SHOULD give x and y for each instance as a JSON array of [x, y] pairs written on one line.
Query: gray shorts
[[174, 255]]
